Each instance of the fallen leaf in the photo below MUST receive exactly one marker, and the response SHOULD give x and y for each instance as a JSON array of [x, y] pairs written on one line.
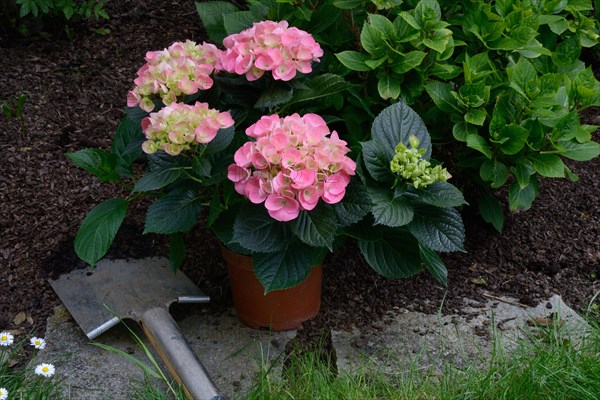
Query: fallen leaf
[[20, 318], [479, 281]]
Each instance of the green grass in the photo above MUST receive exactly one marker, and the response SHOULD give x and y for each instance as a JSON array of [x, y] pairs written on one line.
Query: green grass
[[553, 366]]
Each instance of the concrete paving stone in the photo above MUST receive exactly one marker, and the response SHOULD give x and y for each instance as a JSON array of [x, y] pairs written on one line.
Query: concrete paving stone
[[231, 353], [431, 341]]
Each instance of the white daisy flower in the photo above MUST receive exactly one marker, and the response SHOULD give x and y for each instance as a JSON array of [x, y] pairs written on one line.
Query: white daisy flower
[[46, 370], [3, 394], [6, 339], [37, 342]]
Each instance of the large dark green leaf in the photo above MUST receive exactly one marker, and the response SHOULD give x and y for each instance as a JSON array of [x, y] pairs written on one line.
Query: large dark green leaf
[[491, 211], [393, 254], [274, 96], [580, 151], [548, 165], [176, 211], [212, 17], [317, 227], [238, 21], [389, 210], [320, 86], [98, 230], [434, 264], [157, 179], [377, 160], [440, 229], [395, 124], [127, 145], [255, 230], [98, 162], [286, 267], [521, 198], [440, 93], [221, 141], [354, 206], [176, 251], [442, 194]]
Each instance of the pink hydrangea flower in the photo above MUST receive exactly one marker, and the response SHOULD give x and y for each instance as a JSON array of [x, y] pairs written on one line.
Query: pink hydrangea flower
[[182, 68], [178, 127], [291, 164], [270, 46]]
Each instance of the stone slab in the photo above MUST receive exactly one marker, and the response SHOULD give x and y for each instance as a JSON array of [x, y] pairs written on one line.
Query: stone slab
[[430, 341]]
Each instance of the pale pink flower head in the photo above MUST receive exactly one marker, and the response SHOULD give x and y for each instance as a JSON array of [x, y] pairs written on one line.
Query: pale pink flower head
[[183, 68], [291, 164], [178, 127], [269, 47]]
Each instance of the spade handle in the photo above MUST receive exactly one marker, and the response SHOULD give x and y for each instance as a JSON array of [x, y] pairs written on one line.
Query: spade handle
[[173, 348]]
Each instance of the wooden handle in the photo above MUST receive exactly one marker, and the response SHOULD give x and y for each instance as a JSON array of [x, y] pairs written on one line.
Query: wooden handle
[[165, 336]]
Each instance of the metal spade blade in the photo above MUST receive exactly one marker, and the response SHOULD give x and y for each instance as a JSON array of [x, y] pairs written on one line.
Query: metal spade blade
[[141, 290]]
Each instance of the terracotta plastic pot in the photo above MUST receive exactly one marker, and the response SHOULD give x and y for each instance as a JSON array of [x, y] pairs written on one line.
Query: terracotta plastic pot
[[278, 310]]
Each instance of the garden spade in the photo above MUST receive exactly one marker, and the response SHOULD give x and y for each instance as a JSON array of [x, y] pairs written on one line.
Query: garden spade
[[141, 290]]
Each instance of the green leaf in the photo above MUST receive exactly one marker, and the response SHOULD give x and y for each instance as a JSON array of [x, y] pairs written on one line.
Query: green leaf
[[221, 141], [377, 160], [320, 86], [157, 179], [317, 227], [256, 231], [461, 130], [566, 53], [476, 116], [392, 254], [98, 230], [98, 162], [284, 268], [478, 143], [354, 60], [373, 41], [440, 229], [238, 21], [548, 165], [580, 151], [274, 96], [521, 76], [405, 62], [212, 16], [523, 171], [127, 145], [440, 93], [395, 124], [347, 4], [491, 211], [442, 194], [388, 87], [438, 39], [521, 198], [355, 205], [176, 211], [516, 137], [494, 171], [434, 264], [389, 210], [176, 251]]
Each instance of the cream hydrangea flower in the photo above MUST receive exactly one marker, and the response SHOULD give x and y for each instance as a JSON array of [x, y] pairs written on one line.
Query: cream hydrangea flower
[[38, 343], [6, 339], [3, 394], [44, 369]]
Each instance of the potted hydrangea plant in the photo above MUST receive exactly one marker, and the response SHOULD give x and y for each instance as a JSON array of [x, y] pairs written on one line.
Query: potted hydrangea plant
[[243, 133]]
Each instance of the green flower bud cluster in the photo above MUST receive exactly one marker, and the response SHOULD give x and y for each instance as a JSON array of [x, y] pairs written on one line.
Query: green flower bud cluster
[[410, 166]]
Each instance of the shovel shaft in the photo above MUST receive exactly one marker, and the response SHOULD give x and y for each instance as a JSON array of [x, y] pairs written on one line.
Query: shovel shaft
[[165, 336]]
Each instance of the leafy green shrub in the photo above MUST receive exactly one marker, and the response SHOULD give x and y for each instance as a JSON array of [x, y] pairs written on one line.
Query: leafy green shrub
[[500, 84], [84, 9]]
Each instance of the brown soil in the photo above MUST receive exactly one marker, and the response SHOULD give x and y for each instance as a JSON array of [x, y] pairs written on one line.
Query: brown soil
[[75, 98]]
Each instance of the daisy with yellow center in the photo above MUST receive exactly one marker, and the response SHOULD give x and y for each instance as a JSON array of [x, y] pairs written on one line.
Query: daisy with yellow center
[[46, 370], [38, 343], [3, 394], [6, 339]]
